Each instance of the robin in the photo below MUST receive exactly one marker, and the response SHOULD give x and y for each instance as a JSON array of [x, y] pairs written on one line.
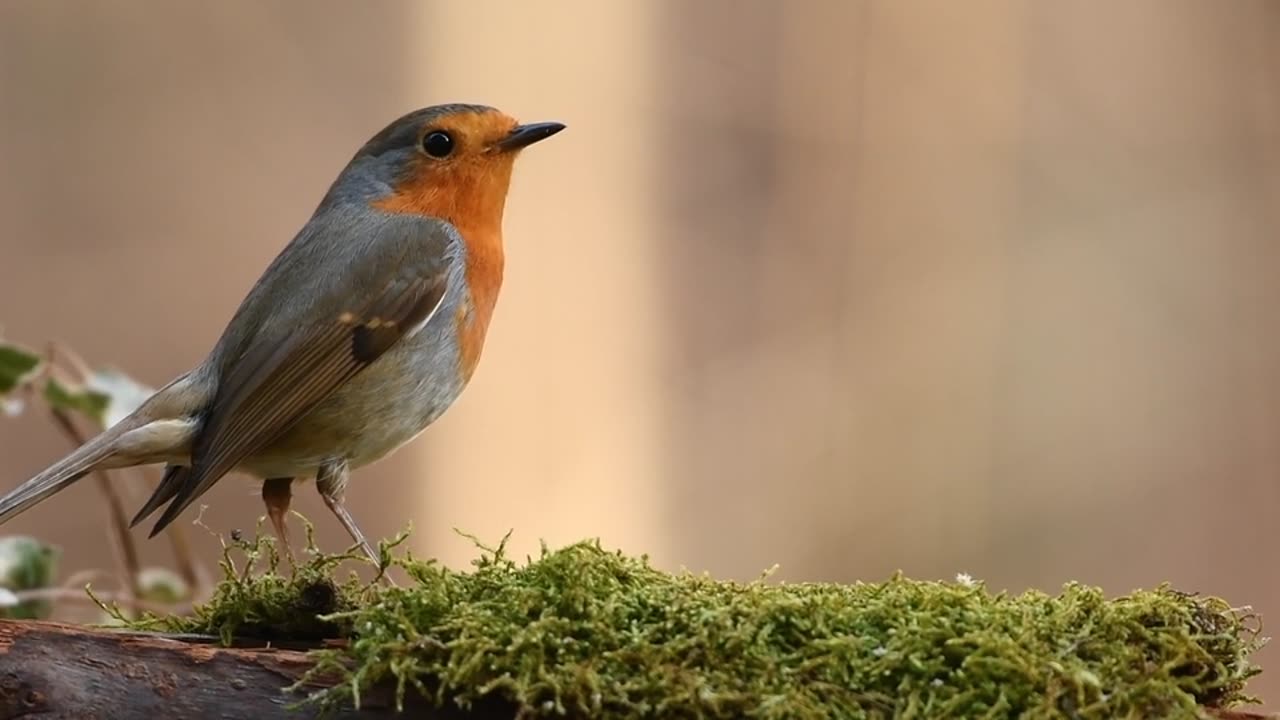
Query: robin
[[361, 333]]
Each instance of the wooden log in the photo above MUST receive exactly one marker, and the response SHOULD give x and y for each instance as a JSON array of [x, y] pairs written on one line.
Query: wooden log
[[54, 671]]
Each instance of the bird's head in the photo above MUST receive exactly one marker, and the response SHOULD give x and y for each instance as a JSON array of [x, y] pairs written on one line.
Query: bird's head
[[448, 161]]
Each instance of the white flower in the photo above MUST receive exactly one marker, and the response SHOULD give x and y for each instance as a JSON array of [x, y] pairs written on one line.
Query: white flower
[[12, 407]]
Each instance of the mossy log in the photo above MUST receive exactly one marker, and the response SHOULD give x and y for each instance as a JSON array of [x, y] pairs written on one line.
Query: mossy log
[[55, 671], [581, 632]]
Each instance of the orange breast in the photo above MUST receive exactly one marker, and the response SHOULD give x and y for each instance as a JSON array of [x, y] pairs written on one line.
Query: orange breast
[[484, 280], [471, 196]]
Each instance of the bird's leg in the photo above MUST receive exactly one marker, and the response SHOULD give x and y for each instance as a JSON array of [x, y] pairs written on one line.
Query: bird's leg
[[331, 481], [276, 494]]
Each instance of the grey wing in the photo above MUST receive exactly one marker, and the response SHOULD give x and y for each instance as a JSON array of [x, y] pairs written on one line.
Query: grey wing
[[387, 290]]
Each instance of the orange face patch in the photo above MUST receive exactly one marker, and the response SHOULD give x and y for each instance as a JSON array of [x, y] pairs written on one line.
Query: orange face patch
[[469, 186]]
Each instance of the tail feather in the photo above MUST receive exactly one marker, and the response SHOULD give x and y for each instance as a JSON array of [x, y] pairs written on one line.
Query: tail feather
[[174, 478], [85, 459], [157, 430]]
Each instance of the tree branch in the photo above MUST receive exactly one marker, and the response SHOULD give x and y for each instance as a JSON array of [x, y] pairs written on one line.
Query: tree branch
[[59, 672]]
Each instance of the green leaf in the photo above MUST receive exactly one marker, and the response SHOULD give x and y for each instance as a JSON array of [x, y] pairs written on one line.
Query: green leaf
[[17, 364], [26, 564], [76, 398], [106, 396], [162, 585]]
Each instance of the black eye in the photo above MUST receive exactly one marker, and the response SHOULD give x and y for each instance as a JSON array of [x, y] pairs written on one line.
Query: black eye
[[437, 144]]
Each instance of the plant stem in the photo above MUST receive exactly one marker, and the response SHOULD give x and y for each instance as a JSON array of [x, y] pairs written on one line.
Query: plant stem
[[127, 551], [132, 601]]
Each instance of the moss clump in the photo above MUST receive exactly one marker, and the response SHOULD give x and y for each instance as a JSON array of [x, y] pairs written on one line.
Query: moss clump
[[255, 600], [583, 632]]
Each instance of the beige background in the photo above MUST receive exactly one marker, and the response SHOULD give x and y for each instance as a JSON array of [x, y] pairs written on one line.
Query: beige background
[[845, 286]]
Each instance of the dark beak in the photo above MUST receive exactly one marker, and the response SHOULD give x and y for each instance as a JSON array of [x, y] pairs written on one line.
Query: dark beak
[[522, 136]]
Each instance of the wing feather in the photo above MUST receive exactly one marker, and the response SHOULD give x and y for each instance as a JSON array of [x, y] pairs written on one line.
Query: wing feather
[[275, 384]]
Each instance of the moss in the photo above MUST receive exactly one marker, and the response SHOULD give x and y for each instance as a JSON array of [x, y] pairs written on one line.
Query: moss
[[581, 631], [255, 599]]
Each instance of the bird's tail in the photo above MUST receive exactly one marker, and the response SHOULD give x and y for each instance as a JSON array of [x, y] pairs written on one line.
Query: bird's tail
[[157, 429], [95, 453]]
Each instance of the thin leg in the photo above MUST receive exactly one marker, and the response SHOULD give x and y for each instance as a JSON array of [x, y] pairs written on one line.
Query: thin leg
[[331, 481], [276, 494]]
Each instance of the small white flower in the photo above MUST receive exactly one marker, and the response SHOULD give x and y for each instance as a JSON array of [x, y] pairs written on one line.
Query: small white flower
[[966, 579], [937, 682], [880, 651], [11, 407]]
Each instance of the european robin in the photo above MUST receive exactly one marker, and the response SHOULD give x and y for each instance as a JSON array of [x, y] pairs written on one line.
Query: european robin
[[362, 332]]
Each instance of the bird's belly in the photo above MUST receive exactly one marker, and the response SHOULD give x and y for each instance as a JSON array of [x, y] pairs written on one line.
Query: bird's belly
[[377, 411]]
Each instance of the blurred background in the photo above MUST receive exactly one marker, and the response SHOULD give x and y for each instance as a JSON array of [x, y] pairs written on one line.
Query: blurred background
[[848, 286]]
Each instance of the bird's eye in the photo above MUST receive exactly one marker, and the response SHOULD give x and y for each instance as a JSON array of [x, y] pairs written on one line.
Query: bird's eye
[[437, 144]]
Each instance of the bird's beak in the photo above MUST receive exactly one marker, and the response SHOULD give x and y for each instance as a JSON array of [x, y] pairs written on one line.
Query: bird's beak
[[522, 136]]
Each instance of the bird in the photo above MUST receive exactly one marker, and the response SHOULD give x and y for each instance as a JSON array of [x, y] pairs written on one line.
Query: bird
[[359, 334]]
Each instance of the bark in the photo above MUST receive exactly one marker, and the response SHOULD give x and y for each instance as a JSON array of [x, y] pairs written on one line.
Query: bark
[[53, 671]]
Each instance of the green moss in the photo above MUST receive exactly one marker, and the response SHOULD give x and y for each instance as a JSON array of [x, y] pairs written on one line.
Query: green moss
[[257, 600], [581, 631]]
